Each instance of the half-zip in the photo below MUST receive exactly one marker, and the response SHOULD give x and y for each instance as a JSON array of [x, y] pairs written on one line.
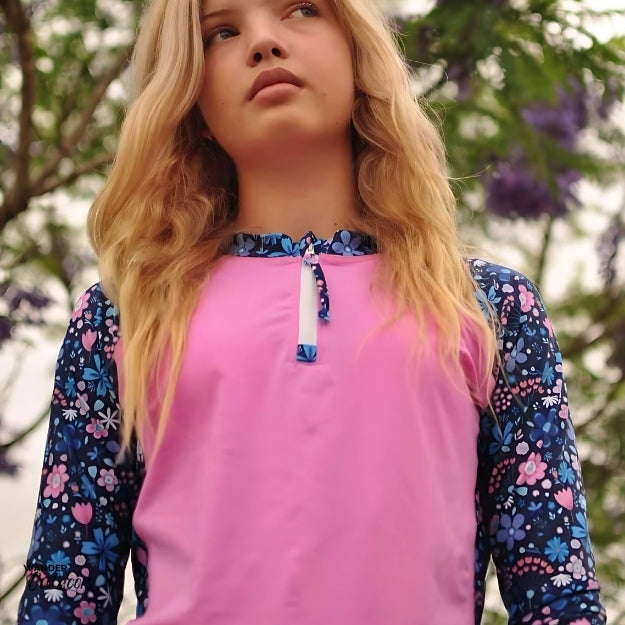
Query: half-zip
[[313, 286], [314, 300]]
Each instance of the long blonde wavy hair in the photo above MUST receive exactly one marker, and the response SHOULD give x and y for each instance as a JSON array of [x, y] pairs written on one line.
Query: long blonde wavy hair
[[162, 219]]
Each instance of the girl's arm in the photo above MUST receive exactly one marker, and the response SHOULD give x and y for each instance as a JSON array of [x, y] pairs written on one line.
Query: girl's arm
[[530, 497], [83, 522]]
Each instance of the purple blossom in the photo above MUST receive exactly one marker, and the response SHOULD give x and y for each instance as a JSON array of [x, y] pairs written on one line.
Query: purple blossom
[[19, 305], [563, 119], [513, 190], [510, 529], [462, 73]]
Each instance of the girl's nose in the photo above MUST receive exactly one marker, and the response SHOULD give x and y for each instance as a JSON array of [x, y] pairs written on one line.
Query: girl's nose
[[266, 43], [259, 55]]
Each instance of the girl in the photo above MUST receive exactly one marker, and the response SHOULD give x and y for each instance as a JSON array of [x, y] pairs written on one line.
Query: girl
[[312, 432]]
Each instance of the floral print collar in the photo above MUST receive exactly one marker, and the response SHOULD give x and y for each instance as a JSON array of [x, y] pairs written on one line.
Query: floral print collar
[[343, 243]]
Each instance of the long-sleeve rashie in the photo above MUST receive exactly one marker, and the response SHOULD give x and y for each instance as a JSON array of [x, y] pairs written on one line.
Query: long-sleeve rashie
[[319, 466]]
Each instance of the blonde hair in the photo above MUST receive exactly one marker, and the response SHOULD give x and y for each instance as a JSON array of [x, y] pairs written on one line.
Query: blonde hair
[[161, 220]]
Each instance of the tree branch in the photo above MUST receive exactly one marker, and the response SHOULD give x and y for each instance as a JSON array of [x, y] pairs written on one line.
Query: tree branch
[[599, 414], [542, 257], [579, 344], [16, 199], [26, 431], [11, 589], [54, 183], [69, 142]]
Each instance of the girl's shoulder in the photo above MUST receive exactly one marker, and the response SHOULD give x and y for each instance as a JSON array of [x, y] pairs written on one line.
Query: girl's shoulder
[[499, 285], [94, 324], [485, 272], [95, 306]]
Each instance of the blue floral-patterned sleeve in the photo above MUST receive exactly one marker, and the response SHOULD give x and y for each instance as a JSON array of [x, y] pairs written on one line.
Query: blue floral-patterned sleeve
[[83, 522], [529, 496]]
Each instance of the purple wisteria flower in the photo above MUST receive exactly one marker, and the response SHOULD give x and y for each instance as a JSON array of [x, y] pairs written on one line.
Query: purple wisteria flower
[[514, 188], [562, 120], [514, 191]]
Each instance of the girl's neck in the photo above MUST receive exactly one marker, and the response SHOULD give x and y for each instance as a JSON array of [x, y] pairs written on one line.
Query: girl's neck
[[298, 192]]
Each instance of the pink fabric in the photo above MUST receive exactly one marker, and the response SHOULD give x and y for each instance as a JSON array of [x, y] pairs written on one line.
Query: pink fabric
[[339, 492]]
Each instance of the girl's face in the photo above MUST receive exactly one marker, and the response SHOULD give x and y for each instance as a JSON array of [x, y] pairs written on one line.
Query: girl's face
[[277, 74]]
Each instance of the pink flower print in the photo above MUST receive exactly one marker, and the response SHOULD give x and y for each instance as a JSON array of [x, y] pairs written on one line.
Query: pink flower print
[[563, 412], [97, 429], [82, 512], [88, 339], [565, 498], [526, 297], [576, 567], [81, 304], [74, 585], [86, 612], [108, 479], [81, 403], [580, 621], [56, 481], [547, 324], [532, 470]]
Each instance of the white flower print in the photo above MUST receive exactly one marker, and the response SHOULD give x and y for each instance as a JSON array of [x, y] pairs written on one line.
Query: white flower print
[[562, 579], [70, 413], [109, 419], [550, 400], [53, 594]]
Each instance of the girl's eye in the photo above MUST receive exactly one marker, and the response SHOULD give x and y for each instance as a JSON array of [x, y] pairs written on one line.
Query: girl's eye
[[218, 34], [306, 9]]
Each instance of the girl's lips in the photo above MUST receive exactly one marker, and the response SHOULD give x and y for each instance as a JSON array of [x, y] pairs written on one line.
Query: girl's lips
[[273, 77]]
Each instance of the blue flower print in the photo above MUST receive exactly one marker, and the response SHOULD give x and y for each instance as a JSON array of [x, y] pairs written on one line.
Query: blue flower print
[[556, 550], [581, 529], [70, 442], [545, 428], [58, 562], [510, 529], [501, 440], [102, 548], [35, 542], [70, 387], [100, 374], [547, 377], [516, 356], [348, 245], [291, 248], [566, 473], [243, 245], [52, 616]]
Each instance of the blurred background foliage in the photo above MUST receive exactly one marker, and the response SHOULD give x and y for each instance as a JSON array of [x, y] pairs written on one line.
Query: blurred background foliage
[[530, 101]]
